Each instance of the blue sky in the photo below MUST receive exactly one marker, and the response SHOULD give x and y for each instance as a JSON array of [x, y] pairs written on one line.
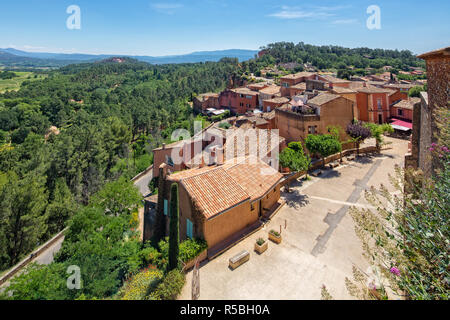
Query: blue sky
[[157, 27]]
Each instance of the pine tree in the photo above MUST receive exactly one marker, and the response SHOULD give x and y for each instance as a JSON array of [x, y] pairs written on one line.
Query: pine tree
[[174, 236]]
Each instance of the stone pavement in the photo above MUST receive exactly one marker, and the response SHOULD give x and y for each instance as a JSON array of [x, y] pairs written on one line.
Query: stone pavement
[[319, 245]]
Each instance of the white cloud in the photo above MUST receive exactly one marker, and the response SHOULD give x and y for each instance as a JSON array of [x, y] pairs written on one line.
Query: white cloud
[[288, 12], [167, 8], [345, 21]]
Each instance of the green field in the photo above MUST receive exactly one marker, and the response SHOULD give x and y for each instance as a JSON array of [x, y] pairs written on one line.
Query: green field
[[14, 84]]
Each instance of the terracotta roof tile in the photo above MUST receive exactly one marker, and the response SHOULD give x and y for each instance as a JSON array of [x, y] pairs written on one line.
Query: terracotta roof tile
[[323, 98], [214, 191], [218, 188]]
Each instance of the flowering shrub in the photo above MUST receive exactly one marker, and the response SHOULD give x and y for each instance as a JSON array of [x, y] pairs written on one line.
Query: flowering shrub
[[411, 234], [138, 287], [170, 288]]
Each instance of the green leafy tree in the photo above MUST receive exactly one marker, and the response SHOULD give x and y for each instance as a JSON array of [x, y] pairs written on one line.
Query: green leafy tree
[[118, 197], [325, 145], [415, 91], [377, 131], [61, 207], [174, 236], [40, 282], [294, 158], [22, 206]]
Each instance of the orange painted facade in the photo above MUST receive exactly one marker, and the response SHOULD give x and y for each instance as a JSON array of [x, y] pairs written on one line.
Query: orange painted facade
[[373, 107]]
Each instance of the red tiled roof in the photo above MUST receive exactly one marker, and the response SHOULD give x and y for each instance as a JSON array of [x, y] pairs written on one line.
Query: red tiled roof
[[270, 90], [214, 191], [256, 179], [218, 188]]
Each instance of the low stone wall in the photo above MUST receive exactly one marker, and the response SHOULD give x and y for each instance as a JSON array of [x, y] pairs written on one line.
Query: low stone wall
[[143, 173], [28, 259], [201, 257], [319, 163]]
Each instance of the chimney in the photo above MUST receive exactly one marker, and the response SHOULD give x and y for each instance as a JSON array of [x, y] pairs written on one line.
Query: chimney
[[212, 157], [163, 146], [202, 164], [219, 156]]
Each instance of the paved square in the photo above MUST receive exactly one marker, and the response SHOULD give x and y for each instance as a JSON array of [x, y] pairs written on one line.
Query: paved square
[[319, 245]]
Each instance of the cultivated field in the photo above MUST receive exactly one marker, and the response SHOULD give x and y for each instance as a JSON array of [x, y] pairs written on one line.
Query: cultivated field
[[15, 83]]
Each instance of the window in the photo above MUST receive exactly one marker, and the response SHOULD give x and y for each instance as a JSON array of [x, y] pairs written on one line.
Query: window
[[252, 206], [249, 97], [312, 129], [400, 112], [379, 104], [166, 207], [285, 84], [169, 161], [189, 229]]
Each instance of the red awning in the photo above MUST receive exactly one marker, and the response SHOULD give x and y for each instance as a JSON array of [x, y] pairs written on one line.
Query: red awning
[[400, 123]]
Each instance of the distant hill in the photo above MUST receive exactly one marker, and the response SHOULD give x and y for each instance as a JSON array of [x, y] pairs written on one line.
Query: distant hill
[[14, 57]]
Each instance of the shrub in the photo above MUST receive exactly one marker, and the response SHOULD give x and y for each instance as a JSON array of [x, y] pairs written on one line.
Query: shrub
[[190, 249], [276, 234], [260, 241], [170, 288], [225, 125], [142, 284]]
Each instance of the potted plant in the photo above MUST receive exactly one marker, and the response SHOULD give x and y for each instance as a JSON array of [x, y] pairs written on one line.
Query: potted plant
[[261, 245], [275, 236]]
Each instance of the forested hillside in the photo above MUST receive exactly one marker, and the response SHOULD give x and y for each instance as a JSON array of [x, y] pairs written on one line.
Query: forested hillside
[[333, 58], [64, 137]]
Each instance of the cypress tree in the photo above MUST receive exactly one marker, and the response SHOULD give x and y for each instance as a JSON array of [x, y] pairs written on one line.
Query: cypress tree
[[174, 233], [160, 226]]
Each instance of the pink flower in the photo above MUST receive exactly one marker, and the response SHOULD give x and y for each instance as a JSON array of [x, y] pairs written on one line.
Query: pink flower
[[395, 271]]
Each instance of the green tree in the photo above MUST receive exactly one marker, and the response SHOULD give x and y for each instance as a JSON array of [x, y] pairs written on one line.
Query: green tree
[[40, 282], [294, 158], [415, 91], [325, 145], [174, 236], [377, 132], [22, 206], [61, 207], [118, 197], [160, 220]]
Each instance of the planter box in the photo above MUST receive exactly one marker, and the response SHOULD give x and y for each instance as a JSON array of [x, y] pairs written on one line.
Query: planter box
[[262, 248], [274, 238], [201, 257]]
